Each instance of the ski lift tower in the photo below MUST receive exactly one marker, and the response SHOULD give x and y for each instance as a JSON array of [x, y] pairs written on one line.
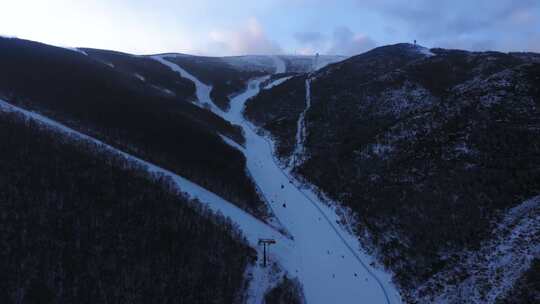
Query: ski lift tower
[[266, 242]]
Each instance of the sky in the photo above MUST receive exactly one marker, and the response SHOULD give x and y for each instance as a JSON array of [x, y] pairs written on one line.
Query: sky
[[238, 27]]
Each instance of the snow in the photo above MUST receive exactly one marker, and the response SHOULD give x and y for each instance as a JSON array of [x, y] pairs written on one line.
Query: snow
[[251, 63], [307, 63], [463, 149], [277, 82], [140, 77], [280, 65], [493, 270], [164, 90], [406, 98], [324, 256], [381, 150], [109, 64], [301, 132], [231, 143], [321, 253], [202, 90], [258, 63], [425, 51], [76, 50]]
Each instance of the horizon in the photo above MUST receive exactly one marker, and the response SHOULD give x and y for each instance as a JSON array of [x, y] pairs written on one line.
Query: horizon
[[81, 48], [295, 27]]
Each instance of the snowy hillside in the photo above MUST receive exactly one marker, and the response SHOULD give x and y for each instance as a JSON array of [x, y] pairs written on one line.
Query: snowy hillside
[[417, 143], [489, 274], [325, 258], [400, 175]]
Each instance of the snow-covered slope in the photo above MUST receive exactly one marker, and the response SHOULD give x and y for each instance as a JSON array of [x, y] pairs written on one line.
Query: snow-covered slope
[[393, 90], [427, 147], [320, 254], [251, 63], [301, 134], [203, 90], [277, 82], [309, 63], [326, 259], [324, 256], [492, 270], [280, 65]]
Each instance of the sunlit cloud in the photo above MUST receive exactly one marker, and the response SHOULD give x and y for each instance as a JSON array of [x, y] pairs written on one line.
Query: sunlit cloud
[[249, 39]]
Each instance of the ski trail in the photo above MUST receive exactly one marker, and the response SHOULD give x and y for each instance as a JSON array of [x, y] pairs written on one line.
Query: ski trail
[[77, 50], [202, 90], [330, 269], [277, 82], [231, 142], [250, 226], [301, 132], [323, 255], [510, 251]]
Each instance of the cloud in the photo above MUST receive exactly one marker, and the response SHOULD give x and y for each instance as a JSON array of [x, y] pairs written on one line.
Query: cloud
[[345, 42], [499, 24], [342, 41], [252, 39], [309, 37], [534, 44], [225, 28]]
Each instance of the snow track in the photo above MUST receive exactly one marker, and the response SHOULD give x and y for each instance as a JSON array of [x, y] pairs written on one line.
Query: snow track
[[330, 269], [277, 82], [301, 133], [203, 90], [494, 269], [280, 65]]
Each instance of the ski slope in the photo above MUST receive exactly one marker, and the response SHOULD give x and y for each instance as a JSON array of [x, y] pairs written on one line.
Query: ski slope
[[277, 82], [301, 132], [280, 65], [203, 90], [324, 257]]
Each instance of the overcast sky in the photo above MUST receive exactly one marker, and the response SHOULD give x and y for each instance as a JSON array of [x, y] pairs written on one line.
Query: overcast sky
[[232, 27]]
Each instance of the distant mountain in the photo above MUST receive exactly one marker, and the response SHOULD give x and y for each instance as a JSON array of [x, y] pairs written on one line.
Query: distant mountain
[[229, 75], [428, 148], [307, 64]]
